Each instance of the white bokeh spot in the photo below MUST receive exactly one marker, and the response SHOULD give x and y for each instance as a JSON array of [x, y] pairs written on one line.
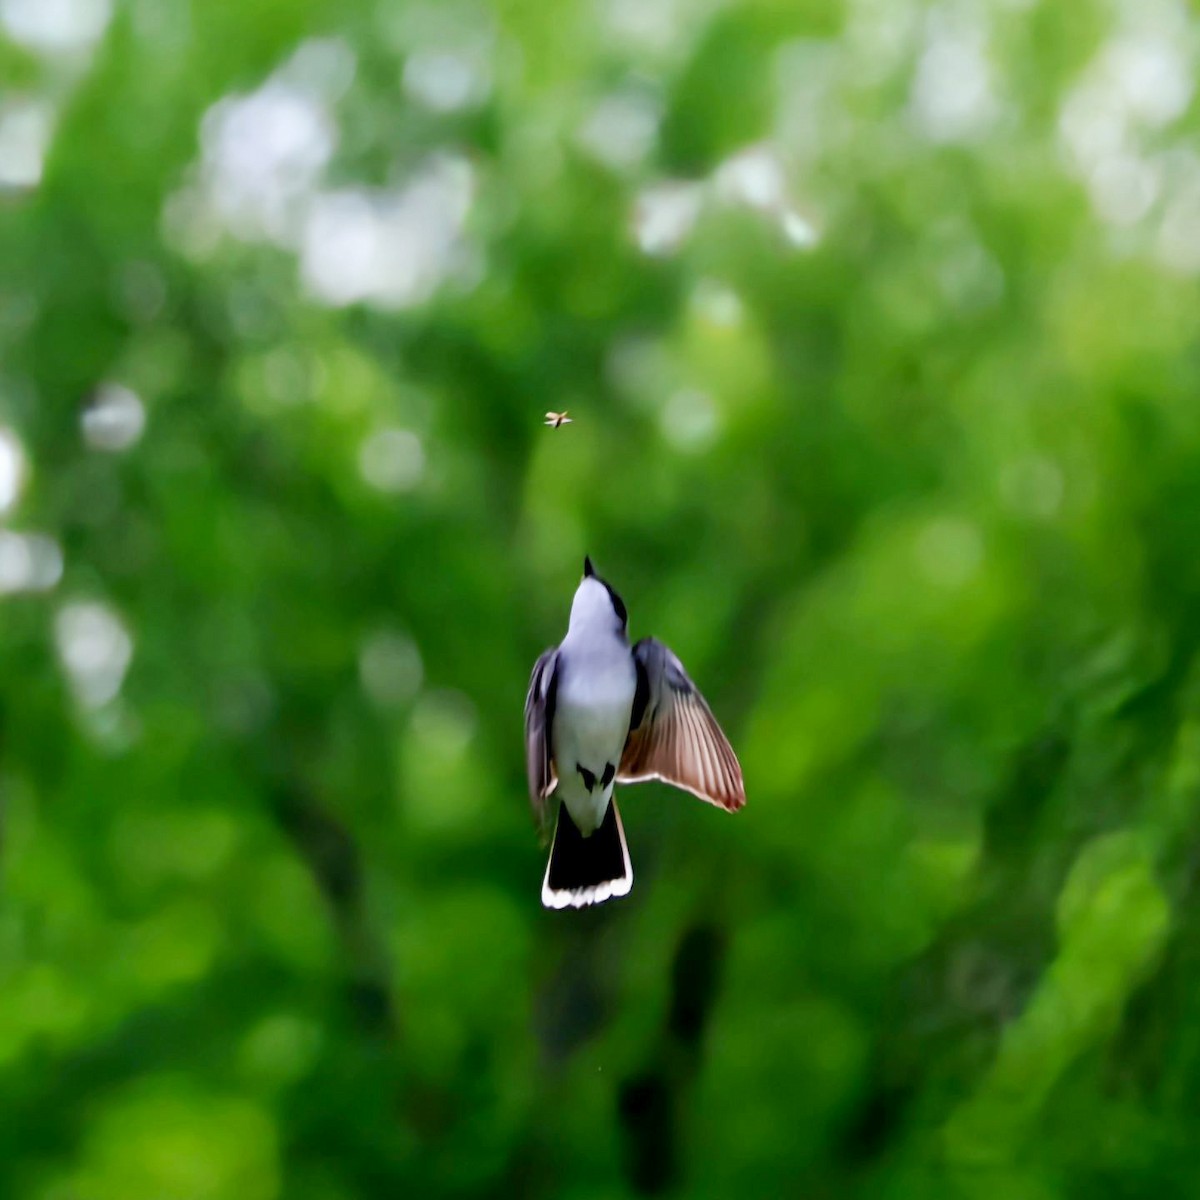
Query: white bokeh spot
[[114, 419], [12, 469], [25, 127], [95, 649], [29, 562], [55, 26], [392, 460], [390, 668]]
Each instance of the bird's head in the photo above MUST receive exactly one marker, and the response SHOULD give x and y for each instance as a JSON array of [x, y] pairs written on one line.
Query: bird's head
[[596, 603]]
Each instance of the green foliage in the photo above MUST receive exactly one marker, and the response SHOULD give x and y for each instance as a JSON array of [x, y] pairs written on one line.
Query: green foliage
[[877, 323]]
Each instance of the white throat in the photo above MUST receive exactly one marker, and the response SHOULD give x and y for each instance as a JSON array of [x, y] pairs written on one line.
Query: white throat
[[592, 609]]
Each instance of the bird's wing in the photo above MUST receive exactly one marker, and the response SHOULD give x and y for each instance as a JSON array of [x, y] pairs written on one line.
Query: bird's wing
[[673, 735], [539, 720]]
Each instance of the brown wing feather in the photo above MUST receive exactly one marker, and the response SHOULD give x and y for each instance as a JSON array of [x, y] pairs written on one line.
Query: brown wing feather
[[539, 719], [677, 739]]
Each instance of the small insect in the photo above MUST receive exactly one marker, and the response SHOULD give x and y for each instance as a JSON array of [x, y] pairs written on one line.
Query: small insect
[[554, 420]]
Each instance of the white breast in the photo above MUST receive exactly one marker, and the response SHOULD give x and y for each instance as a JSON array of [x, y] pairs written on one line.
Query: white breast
[[591, 721]]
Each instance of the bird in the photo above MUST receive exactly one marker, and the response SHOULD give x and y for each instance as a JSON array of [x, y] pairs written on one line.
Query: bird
[[555, 419], [601, 712]]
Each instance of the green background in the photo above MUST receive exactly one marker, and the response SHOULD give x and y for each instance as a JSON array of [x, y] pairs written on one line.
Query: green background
[[878, 325]]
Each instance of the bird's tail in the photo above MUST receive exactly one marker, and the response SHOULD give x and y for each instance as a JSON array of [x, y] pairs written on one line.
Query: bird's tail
[[587, 870]]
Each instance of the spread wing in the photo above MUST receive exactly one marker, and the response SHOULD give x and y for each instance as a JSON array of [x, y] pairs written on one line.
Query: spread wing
[[673, 735], [539, 720]]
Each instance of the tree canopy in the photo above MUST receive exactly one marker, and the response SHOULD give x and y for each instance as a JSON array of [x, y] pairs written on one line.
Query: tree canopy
[[877, 325]]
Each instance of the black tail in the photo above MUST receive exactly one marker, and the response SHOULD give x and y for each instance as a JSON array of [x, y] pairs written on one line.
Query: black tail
[[587, 870]]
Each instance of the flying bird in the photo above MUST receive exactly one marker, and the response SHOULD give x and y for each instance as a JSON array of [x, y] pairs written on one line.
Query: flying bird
[[600, 712], [554, 419]]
